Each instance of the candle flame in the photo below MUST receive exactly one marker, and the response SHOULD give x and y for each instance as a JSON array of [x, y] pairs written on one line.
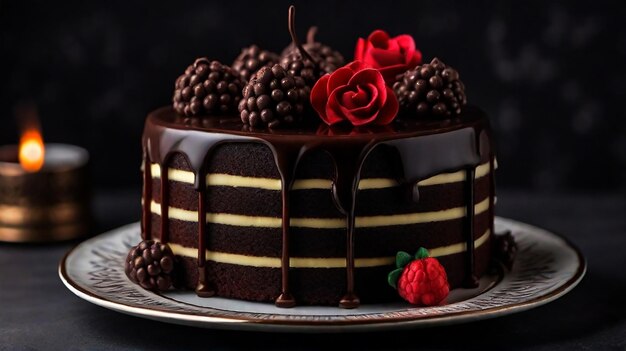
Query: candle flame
[[31, 152]]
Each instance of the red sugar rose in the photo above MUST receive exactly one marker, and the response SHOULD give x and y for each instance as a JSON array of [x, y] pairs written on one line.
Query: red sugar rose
[[354, 93], [391, 56]]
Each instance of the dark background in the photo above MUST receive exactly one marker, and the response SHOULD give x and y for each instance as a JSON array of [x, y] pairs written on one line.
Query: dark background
[[550, 74]]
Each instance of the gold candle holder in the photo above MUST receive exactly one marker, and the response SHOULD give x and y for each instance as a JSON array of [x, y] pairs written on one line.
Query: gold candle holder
[[50, 204]]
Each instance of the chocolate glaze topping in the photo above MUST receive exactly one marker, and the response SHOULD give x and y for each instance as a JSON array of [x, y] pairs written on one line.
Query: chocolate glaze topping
[[426, 148]]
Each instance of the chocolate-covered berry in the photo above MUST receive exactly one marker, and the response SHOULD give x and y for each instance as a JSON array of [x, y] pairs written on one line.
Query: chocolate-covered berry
[[431, 89], [273, 98], [207, 88], [151, 265], [299, 62], [251, 60], [299, 66], [328, 59], [505, 249]]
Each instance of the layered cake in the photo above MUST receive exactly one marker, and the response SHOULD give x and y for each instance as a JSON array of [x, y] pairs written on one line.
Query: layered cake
[[297, 179]]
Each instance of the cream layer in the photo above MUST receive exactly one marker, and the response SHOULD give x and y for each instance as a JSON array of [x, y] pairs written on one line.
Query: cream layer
[[316, 262], [322, 223], [220, 179]]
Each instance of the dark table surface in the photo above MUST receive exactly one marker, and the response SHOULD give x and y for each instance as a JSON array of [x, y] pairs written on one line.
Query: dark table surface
[[38, 312]]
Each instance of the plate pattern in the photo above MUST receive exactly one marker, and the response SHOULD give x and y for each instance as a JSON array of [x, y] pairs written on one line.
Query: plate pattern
[[546, 267]]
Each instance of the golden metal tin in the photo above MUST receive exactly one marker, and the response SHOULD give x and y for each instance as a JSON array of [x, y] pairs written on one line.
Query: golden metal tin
[[51, 204]]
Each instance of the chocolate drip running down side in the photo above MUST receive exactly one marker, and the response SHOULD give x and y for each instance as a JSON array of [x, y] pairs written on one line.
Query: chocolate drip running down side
[[348, 158], [492, 187], [146, 218], [287, 155], [471, 281], [165, 200], [425, 149], [202, 288]]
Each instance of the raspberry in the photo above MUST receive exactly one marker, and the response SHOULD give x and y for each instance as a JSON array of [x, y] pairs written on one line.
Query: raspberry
[[421, 281]]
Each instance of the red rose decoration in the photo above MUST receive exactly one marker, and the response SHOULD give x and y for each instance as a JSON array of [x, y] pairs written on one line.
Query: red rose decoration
[[391, 56], [354, 93]]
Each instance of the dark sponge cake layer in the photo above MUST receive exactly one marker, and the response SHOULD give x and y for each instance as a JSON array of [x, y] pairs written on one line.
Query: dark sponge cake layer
[[316, 203], [311, 242], [315, 286]]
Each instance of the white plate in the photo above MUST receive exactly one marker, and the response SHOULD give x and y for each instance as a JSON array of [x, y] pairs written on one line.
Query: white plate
[[546, 267]]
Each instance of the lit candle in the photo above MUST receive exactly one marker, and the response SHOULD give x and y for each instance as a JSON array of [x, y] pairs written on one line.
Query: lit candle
[[44, 191]]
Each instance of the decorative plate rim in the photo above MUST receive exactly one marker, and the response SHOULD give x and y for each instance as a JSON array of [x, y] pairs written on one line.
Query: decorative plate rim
[[230, 319]]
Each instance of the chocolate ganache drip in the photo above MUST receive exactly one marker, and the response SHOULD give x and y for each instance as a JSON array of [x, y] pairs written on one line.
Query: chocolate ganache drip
[[425, 149], [146, 218], [202, 288]]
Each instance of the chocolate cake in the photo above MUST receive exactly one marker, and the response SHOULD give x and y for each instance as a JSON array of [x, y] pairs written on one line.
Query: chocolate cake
[[311, 205]]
